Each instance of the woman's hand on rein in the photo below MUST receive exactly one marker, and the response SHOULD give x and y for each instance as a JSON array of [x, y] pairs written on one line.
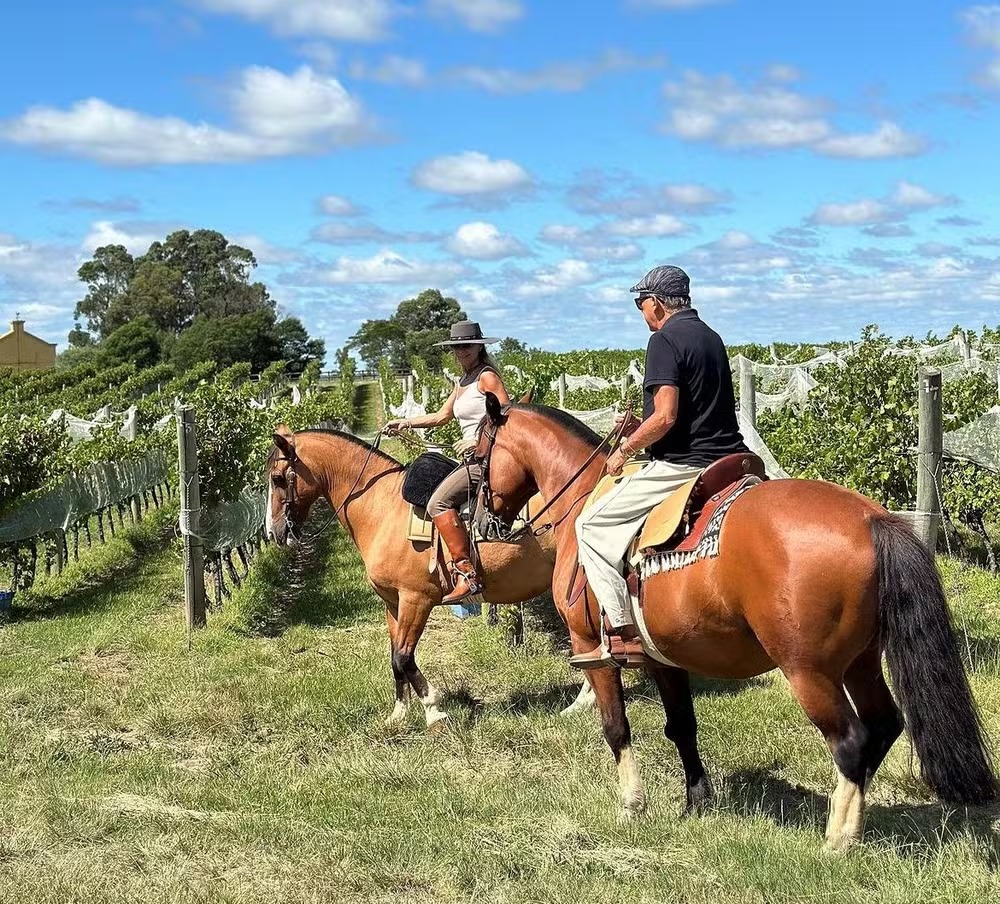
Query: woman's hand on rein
[[464, 447], [396, 426]]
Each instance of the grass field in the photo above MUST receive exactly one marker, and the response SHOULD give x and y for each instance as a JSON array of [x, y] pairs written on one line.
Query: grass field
[[254, 766]]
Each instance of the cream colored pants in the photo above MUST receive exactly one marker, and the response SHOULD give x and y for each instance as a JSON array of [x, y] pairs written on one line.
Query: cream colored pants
[[606, 529]]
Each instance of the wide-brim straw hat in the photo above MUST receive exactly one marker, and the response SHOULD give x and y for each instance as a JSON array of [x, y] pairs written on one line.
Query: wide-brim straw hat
[[467, 332]]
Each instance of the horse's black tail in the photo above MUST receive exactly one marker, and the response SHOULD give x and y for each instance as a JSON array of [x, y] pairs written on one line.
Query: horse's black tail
[[927, 672]]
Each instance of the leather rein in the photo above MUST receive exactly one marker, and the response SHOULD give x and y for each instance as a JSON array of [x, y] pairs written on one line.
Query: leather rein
[[491, 435]]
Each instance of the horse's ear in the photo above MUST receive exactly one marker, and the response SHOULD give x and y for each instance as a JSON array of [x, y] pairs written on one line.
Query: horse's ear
[[494, 410], [284, 439], [527, 397]]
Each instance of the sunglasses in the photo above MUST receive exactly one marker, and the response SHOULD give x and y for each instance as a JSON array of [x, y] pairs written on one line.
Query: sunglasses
[[641, 299], [463, 346]]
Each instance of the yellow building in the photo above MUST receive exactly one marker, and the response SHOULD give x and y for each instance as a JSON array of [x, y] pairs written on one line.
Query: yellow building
[[22, 351]]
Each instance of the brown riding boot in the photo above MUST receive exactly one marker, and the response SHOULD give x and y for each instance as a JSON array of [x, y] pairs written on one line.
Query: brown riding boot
[[463, 572], [623, 649]]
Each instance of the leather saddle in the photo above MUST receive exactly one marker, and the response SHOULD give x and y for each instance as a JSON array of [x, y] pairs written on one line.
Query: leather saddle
[[678, 523]]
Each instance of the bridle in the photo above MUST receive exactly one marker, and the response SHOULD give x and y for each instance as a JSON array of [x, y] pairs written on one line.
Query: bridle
[[291, 497], [528, 527], [291, 479]]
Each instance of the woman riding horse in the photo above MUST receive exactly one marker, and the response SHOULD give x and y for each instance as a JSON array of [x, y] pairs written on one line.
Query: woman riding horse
[[467, 404]]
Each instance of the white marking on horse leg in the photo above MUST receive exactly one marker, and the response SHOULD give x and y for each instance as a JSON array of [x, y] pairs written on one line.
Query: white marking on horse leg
[[432, 714], [847, 811], [397, 715], [630, 784], [585, 700]]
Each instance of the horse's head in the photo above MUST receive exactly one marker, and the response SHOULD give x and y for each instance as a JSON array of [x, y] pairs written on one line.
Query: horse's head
[[292, 488], [510, 482]]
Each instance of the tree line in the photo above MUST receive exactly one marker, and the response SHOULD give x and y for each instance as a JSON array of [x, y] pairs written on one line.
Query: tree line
[[189, 298]]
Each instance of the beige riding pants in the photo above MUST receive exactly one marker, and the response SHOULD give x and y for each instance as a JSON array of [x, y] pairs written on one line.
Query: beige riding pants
[[606, 529]]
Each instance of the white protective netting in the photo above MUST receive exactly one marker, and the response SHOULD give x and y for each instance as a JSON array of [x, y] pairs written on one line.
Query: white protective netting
[[80, 428], [978, 442], [410, 407], [755, 443], [83, 493], [232, 524], [576, 381], [600, 420]]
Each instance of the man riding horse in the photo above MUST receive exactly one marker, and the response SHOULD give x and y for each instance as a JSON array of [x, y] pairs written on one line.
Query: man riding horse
[[689, 422]]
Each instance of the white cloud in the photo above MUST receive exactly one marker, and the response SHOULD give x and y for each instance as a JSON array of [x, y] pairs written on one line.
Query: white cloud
[[852, 213], [483, 241], [909, 194], [734, 239], [337, 206], [361, 232], [136, 237], [388, 266], [560, 77], [591, 244], [470, 173], [888, 140], [302, 106], [770, 115], [265, 252], [905, 199], [691, 194], [281, 115], [480, 15], [620, 194], [982, 25], [39, 282], [393, 70], [343, 20], [660, 224], [566, 275]]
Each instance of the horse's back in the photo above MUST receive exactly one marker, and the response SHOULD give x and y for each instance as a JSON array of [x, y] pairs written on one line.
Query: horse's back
[[795, 577]]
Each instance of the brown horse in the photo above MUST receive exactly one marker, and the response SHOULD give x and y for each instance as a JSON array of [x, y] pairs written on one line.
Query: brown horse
[[363, 487], [810, 578]]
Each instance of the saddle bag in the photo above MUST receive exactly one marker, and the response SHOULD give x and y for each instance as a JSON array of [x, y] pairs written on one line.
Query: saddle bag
[[424, 476]]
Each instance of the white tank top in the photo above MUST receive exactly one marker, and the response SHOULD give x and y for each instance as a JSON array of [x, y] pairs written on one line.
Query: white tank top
[[470, 406]]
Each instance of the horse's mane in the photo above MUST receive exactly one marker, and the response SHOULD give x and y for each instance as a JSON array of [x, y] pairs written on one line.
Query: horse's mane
[[579, 429], [349, 437]]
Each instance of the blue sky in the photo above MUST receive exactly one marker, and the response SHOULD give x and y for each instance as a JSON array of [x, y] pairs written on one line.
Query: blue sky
[[814, 168]]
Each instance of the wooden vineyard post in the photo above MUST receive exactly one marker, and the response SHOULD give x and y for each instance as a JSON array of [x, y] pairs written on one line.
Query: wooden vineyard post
[[190, 496], [134, 504], [748, 392], [929, 448]]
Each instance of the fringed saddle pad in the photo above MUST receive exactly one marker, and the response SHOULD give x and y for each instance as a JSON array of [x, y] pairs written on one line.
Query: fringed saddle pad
[[708, 545]]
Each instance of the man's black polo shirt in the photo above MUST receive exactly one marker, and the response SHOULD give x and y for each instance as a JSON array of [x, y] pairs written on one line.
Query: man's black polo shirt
[[687, 353]]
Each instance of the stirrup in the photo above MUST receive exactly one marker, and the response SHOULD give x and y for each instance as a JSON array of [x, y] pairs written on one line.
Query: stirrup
[[473, 585]]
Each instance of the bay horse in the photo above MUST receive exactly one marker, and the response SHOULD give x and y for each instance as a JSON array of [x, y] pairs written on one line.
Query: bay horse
[[810, 578], [363, 487]]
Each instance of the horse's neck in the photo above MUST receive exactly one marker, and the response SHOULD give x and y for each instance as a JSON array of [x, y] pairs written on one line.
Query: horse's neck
[[552, 473], [359, 485]]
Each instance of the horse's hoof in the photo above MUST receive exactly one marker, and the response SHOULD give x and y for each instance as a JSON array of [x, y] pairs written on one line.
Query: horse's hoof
[[631, 814], [397, 716], [699, 796], [838, 846], [438, 724]]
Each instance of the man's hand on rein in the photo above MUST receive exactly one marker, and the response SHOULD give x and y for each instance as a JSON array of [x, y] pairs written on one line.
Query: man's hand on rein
[[616, 461]]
